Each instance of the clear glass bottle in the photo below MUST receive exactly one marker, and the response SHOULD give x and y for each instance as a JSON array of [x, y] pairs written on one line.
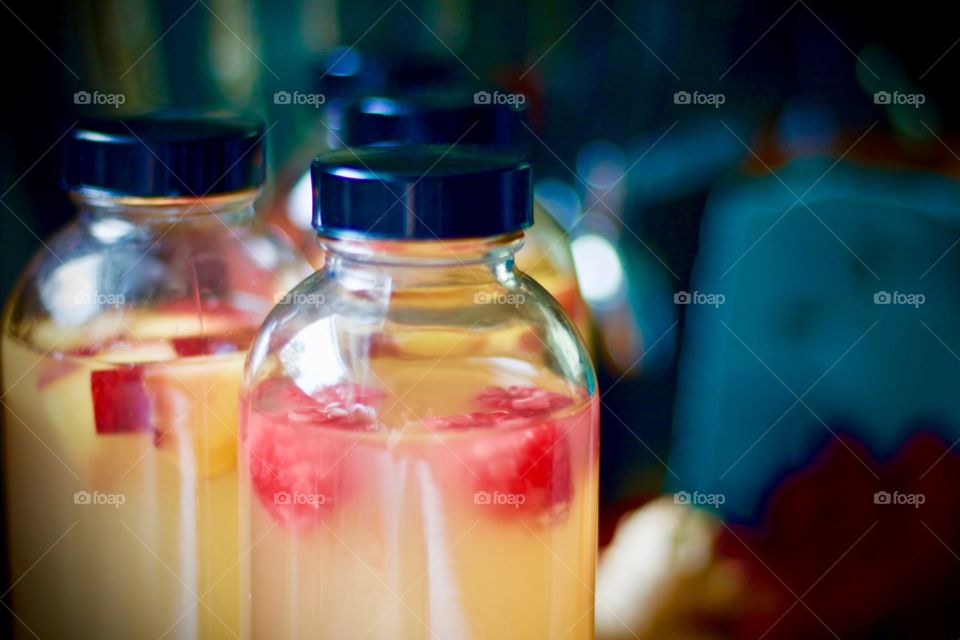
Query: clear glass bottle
[[123, 347], [437, 109], [419, 418], [456, 114]]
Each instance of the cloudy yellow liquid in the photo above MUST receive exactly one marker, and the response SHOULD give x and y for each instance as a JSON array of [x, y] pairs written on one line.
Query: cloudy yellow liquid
[[403, 548], [121, 535]]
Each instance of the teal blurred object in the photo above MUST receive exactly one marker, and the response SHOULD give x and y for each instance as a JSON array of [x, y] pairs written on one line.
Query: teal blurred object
[[800, 317]]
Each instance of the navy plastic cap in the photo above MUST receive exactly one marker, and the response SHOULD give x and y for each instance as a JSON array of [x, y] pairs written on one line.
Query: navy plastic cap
[[165, 155], [440, 116], [421, 192]]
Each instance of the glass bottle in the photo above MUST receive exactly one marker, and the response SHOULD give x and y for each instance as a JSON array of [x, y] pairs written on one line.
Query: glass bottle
[[419, 418], [123, 347], [455, 114]]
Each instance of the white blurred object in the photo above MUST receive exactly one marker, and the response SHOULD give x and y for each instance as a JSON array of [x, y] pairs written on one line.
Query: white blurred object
[[300, 203], [599, 270], [659, 577]]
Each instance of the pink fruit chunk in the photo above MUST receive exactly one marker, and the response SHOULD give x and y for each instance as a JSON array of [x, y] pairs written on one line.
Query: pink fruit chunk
[[383, 346], [522, 471], [297, 470], [120, 401], [203, 346], [522, 466], [523, 401]]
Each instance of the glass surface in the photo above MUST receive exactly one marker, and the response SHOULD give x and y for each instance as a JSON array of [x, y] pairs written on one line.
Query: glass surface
[[122, 356], [545, 254], [420, 448]]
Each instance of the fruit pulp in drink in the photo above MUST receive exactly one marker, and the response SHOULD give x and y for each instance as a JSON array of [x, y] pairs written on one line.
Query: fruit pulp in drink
[[456, 499]]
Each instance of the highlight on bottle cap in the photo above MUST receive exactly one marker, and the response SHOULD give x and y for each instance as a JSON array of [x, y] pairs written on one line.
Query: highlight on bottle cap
[[170, 154], [421, 192]]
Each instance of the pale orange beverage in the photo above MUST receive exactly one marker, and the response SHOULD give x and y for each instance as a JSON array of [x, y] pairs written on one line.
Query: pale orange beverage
[[369, 521], [121, 480]]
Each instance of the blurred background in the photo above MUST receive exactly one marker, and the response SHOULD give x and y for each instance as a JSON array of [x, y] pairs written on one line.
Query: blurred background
[[762, 204]]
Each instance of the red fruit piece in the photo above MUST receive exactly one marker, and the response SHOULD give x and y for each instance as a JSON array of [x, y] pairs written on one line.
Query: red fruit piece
[[296, 470], [210, 345], [523, 401], [520, 468], [120, 401], [383, 346]]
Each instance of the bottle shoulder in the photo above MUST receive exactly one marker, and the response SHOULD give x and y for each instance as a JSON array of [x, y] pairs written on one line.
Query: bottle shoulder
[[353, 319], [91, 270]]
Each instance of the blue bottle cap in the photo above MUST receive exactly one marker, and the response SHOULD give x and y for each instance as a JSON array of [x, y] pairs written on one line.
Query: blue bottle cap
[[165, 155], [421, 192]]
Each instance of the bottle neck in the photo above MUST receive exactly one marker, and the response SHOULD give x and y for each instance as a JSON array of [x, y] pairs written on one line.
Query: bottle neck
[[232, 209], [422, 261]]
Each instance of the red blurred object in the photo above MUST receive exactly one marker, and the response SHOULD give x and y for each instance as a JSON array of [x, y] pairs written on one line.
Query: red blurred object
[[514, 79], [830, 539]]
